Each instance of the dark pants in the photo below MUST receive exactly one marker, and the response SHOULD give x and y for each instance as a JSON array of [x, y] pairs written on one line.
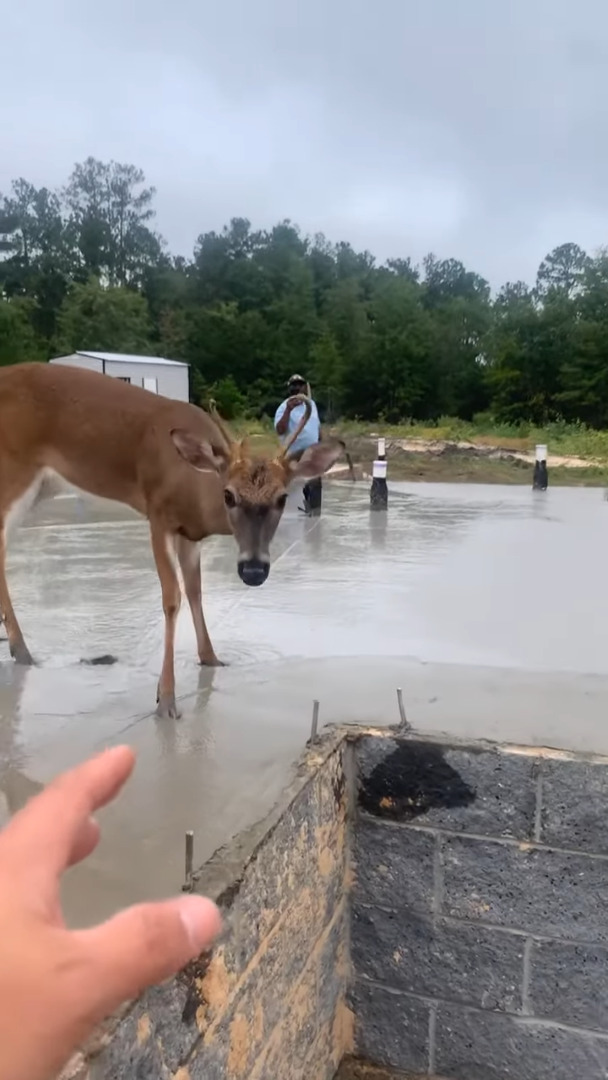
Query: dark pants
[[311, 491]]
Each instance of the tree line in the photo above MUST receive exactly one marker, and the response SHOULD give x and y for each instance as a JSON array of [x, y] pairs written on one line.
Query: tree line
[[84, 268]]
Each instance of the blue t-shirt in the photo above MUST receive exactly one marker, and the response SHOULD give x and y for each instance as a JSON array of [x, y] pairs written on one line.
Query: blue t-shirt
[[309, 435]]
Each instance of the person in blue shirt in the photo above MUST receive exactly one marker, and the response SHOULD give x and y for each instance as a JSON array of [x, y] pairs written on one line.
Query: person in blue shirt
[[286, 420]]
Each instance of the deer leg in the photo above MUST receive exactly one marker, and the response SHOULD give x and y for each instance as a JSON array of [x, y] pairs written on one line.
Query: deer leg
[[189, 558], [19, 650], [162, 543]]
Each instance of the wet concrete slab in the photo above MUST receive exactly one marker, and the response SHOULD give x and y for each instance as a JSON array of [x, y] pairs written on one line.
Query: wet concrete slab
[[488, 605]]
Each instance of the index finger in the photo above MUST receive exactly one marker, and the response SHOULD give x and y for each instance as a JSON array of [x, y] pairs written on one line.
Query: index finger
[[49, 826]]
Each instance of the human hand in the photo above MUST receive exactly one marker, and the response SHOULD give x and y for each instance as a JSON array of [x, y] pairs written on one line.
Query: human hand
[[57, 984], [293, 401]]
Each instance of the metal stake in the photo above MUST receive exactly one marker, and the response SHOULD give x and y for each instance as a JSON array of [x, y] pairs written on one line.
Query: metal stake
[[405, 724], [314, 727], [189, 882]]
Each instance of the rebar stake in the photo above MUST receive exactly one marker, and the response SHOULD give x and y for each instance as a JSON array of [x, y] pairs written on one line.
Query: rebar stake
[[404, 723], [314, 727], [189, 882]]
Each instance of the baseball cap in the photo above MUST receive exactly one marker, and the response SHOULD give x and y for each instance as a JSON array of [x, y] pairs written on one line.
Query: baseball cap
[[296, 379]]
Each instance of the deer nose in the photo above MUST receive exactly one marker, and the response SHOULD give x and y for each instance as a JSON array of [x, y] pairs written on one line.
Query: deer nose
[[253, 571]]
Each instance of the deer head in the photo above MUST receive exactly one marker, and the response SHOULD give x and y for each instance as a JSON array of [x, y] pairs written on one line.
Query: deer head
[[255, 487]]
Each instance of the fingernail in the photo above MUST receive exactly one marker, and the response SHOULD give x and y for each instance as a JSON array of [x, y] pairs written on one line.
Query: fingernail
[[201, 919]]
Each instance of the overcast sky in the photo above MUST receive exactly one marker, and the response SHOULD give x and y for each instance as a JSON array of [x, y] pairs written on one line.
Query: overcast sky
[[473, 128]]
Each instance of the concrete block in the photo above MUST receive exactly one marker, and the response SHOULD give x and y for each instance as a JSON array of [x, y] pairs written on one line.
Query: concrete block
[[332, 798], [157, 1034], [210, 1061], [133, 1054], [257, 903], [372, 751], [541, 892], [333, 969], [298, 1029], [175, 1032], [233, 1048], [477, 791], [325, 1056], [278, 918], [491, 1046], [461, 962], [390, 1028], [307, 844], [570, 983], [294, 1037], [575, 805], [394, 867], [262, 1000], [238, 1037]]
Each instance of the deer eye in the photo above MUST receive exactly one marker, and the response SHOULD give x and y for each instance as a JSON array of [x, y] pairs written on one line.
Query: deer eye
[[281, 501], [229, 499]]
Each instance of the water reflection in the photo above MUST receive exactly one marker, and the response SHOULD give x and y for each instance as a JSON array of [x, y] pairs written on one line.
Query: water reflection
[[378, 528], [315, 536]]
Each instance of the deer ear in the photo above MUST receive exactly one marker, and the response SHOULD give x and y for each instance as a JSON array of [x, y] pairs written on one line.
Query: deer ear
[[315, 461], [197, 452]]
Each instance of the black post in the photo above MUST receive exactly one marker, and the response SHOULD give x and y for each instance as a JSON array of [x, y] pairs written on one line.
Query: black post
[[540, 480], [378, 495]]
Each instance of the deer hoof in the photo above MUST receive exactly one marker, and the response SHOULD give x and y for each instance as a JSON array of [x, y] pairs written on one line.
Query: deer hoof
[[21, 654], [166, 708]]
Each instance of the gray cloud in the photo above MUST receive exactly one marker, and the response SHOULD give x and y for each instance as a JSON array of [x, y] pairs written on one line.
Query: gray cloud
[[472, 128]]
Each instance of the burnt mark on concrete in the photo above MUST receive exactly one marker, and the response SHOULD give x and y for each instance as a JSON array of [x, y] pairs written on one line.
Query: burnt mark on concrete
[[192, 976], [413, 779], [339, 787]]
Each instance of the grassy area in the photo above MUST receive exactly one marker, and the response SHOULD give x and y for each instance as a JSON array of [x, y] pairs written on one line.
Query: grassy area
[[458, 466], [469, 469], [574, 440]]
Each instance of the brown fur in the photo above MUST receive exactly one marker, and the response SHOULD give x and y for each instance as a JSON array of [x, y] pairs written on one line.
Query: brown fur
[[258, 480], [168, 460]]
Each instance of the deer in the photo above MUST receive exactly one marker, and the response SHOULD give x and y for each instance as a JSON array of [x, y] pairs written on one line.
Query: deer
[[170, 461]]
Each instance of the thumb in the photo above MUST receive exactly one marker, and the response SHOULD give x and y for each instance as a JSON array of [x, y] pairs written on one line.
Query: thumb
[[146, 944]]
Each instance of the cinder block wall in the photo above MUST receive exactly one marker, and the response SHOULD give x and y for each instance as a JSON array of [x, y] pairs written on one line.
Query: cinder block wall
[[480, 912], [271, 1001]]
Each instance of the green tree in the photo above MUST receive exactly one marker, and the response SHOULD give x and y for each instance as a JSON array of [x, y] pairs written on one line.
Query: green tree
[[346, 318], [326, 369], [84, 268], [227, 397], [109, 214], [226, 269], [394, 373], [562, 271], [37, 260], [18, 342], [458, 302], [448, 279], [527, 348], [104, 319], [583, 377]]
